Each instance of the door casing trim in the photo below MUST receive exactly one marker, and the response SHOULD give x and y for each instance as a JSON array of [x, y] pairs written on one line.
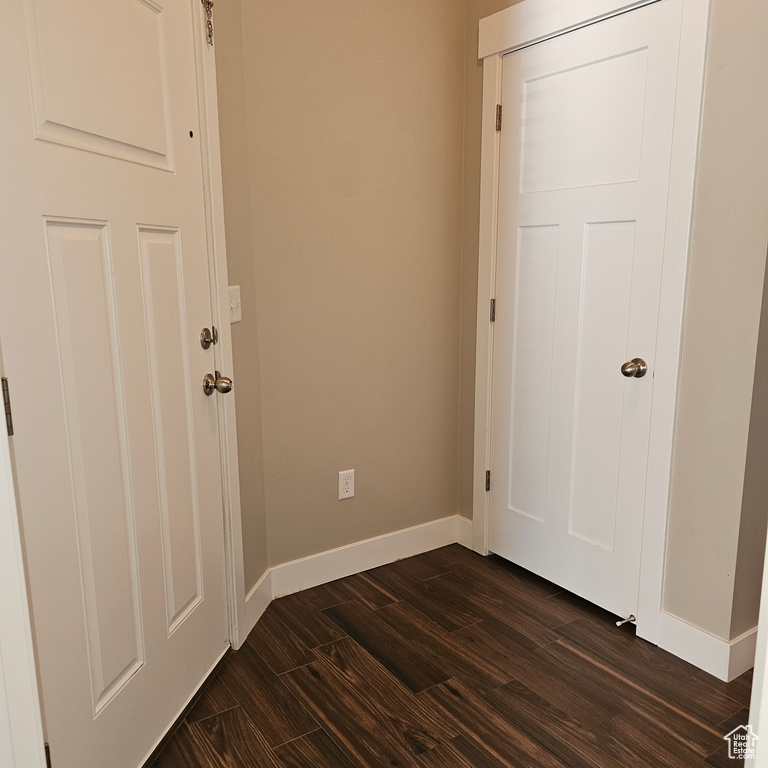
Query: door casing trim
[[520, 26], [205, 61]]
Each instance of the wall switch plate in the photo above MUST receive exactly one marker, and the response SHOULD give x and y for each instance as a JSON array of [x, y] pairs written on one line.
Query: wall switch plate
[[347, 484], [235, 305]]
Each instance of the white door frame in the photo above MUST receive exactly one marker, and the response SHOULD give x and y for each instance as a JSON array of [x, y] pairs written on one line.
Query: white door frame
[[21, 730], [520, 26], [217, 259]]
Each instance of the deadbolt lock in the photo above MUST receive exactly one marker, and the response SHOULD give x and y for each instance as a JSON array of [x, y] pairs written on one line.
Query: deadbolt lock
[[209, 336]]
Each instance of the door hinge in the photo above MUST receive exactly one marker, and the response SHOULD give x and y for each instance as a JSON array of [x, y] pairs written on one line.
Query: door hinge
[[487, 479], [498, 117], [493, 310], [47, 754], [7, 407], [208, 5]]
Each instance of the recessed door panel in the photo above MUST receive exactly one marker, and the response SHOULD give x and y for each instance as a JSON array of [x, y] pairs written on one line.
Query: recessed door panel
[[118, 107], [533, 370], [606, 294], [167, 334], [94, 395], [582, 126]]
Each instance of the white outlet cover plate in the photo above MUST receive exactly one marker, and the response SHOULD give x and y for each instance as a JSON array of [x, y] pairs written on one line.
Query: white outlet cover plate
[[235, 305], [346, 484]]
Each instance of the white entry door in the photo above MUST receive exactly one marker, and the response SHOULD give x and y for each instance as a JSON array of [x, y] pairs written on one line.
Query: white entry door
[[583, 183], [104, 290]]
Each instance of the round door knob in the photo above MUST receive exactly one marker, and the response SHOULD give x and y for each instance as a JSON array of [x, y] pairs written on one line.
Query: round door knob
[[636, 368], [217, 383]]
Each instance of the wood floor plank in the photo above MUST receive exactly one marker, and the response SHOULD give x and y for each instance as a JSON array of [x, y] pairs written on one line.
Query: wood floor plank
[[560, 734], [305, 621], [623, 740], [432, 602], [462, 752], [431, 642], [366, 734], [216, 698], [419, 567], [722, 759], [739, 689], [358, 587], [445, 557], [489, 728], [272, 708], [315, 750], [734, 721], [495, 611], [535, 584], [230, 740], [183, 751], [640, 707], [583, 608], [516, 595], [374, 682], [274, 641], [564, 686], [387, 646], [660, 672]]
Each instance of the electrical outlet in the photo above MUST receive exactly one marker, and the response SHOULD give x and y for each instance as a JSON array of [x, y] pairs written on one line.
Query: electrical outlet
[[347, 484], [235, 305]]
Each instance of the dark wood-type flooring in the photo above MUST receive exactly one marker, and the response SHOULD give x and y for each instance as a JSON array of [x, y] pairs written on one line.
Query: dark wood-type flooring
[[451, 660]]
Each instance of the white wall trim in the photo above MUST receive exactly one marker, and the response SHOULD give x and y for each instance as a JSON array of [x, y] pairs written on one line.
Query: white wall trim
[[464, 531], [525, 24], [363, 555], [307, 572], [529, 23], [725, 660], [257, 601], [205, 60]]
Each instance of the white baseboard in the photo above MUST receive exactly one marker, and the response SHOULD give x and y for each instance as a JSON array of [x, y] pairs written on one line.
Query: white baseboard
[[725, 660], [464, 531], [256, 602], [345, 561], [362, 555]]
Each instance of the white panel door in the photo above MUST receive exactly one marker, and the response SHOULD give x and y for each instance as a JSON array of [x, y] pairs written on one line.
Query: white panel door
[[584, 172], [104, 291]]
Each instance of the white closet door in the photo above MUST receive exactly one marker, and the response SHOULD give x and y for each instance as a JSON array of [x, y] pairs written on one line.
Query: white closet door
[[584, 172]]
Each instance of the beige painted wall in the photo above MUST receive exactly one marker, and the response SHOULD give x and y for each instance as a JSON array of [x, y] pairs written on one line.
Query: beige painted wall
[[343, 182], [725, 287], [354, 151], [230, 74]]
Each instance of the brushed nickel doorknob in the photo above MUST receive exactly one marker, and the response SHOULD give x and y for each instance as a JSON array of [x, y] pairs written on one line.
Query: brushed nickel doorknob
[[223, 384], [636, 368], [216, 382]]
